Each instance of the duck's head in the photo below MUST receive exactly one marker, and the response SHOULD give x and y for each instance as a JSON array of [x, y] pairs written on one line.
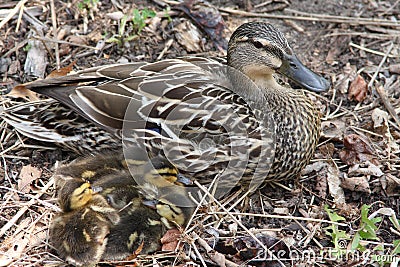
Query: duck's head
[[258, 50]]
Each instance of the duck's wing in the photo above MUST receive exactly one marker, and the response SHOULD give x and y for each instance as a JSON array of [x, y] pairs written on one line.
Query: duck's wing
[[51, 121], [196, 111]]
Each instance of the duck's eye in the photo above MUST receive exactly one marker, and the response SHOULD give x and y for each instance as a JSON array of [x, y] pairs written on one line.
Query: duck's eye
[[258, 44]]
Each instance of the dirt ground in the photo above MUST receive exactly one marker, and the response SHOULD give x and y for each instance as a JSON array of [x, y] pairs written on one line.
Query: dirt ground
[[356, 44]]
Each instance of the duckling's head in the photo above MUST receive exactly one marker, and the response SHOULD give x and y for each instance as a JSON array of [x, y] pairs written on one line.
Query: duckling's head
[[75, 194], [258, 50]]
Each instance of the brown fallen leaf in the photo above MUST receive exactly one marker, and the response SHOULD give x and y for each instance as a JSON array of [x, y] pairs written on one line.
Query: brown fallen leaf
[[170, 240], [359, 184], [36, 59], [188, 36], [394, 68], [136, 252], [334, 185], [327, 150], [343, 79], [391, 184], [339, 44], [61, 72], [26, 176], [357, 150], [371, 169], [21, 91], [333, 129], [207, 17], [358, 89]]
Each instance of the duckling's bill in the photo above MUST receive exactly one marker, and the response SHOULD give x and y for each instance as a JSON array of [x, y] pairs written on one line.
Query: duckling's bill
[[295, 70]]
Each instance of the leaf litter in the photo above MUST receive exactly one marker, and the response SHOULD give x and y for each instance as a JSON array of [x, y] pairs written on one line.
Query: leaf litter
[[357, 161]]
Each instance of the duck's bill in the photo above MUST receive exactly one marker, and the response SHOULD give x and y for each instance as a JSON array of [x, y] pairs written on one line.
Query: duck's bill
[[300, 74]]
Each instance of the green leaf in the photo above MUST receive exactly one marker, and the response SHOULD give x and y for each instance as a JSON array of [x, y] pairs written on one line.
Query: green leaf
[[396, 249], [333, 216]]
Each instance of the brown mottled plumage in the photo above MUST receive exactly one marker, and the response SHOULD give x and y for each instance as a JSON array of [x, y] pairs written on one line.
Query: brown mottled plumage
[[201, 114]]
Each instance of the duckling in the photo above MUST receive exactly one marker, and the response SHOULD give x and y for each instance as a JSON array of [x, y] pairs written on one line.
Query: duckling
[[103, 183], [80, 236], [259, 130]]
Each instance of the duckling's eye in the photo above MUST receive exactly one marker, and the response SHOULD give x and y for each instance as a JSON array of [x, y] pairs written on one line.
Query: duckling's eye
[[257, 44]]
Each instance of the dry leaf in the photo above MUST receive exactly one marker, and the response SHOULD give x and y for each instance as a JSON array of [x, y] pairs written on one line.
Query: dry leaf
[[334, 185], [359, 184], [356, 150], [333, 129], [391, 184], [358, 89], [339, 44], [207, 17], [380, 119], [327, 150], [115, 15], [188, 36], [26, 176], [81, 39], [370, 170], [36, 59], [21, 91], [12, 247], [61, 72], [170, 240], [19, 242], [394, 68], [343, 80]]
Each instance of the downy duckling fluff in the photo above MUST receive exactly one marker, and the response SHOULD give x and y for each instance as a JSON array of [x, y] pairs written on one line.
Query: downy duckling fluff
[[106, 214], [201, 114], [80, 236]]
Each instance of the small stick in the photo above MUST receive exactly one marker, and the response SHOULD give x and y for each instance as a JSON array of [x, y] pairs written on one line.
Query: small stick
[[316, 17], [54, 22], [215, 256], [270, 216], [45, 39], [371, 51], [382, 93], [12, 13], [21, 212], [269, 252], [380, 66], [21, 11]]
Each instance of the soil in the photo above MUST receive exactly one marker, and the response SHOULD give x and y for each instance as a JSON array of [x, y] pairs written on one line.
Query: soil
[[356, 163]]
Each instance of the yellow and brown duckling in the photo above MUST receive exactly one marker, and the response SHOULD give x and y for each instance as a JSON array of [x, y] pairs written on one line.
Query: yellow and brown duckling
[[80, 236], [102, 186]]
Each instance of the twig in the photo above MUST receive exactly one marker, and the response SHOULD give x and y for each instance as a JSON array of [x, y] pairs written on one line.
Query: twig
[[371, 51], [269, 252], [21, 11], [14, 219], [12, 13], [279, 217], [362, 34], [54, 22], [45, 39], [387, 104], [215, 256], [315, 17], [380, 66]]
